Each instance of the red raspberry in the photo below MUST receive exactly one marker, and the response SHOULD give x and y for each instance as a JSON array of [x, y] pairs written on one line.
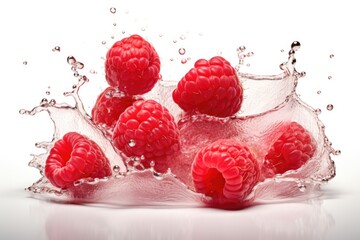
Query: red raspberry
[[211, 87], [75, 157], [109, 105], [147, 130], [132, 65], [227, 171], [290, 151]]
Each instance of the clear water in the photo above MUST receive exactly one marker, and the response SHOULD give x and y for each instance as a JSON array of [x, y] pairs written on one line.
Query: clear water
[[131, 185]]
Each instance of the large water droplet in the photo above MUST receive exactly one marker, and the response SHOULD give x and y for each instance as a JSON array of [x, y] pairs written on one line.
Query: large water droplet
[[113, 10]]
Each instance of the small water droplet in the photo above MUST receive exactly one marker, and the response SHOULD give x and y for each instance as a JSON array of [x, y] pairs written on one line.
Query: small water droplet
[[76, 74], [25, 62], [160, 35], [250, 54], [143, 29], [22, 111], [92, 71], [329, 77], [52, 102], [248, 65], [114, 24], [219, 53], [152, 164], [113, 10], [47, 92], [56, 49], [318, 92], [132, 143], [337, 152], [183, 37], [201, 34], [330, 107], [123, 32], [302, 187], [318, 111], [295, 45], [112, 37], [282, 50], [71, 60], [182, 51], [303, 74], [142, 157], [171, 59], [103, 42], [174, 41], [116, 168], [184, 60], [241, 49], [332, 56]]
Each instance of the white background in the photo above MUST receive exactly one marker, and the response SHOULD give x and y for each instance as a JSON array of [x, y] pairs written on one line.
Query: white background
[[29, 31]]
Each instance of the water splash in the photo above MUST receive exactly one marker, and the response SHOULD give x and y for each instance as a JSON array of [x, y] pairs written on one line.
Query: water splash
[[131, 184]]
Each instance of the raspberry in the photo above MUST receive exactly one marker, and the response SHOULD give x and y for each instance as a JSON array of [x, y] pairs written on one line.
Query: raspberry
[[75, 157], [109, 105], [132, 65], [290, 151], [148, 131], [211, 87], [227, 171]]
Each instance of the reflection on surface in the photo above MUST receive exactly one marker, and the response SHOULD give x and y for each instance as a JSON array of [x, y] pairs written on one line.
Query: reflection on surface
[[305, 220]]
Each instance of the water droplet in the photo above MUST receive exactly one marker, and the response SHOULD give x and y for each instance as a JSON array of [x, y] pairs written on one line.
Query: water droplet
[[318, 111], [241, 49], [337, 152], [92, 71], [152, 164], [282, 50], [143, 29], [250, 54], [318, 92], [303, 74], [295, 45], [329, 77], [71, 60], [219, 53], [182, 51], [52, 102], [174, 41], [201, 34], [43, 101], [330, 107], [114, 24], [123, 32], [22, 111], [183, 37], [112, 37], [332, 56], [103, 42], [132, 143], [184, 60], [160, 35], [171, 59], [142, 157], [302, 187], [76, 74], [248, 65], [56, 49], [79, 65], [113, 10], [47, 92], [25, 62], [116, 168]]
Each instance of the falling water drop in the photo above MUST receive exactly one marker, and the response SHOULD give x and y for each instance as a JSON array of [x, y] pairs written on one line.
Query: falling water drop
[[56, 49], [295, 46], [329, 77], [71, 60], [25, 62], [331, 55]]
